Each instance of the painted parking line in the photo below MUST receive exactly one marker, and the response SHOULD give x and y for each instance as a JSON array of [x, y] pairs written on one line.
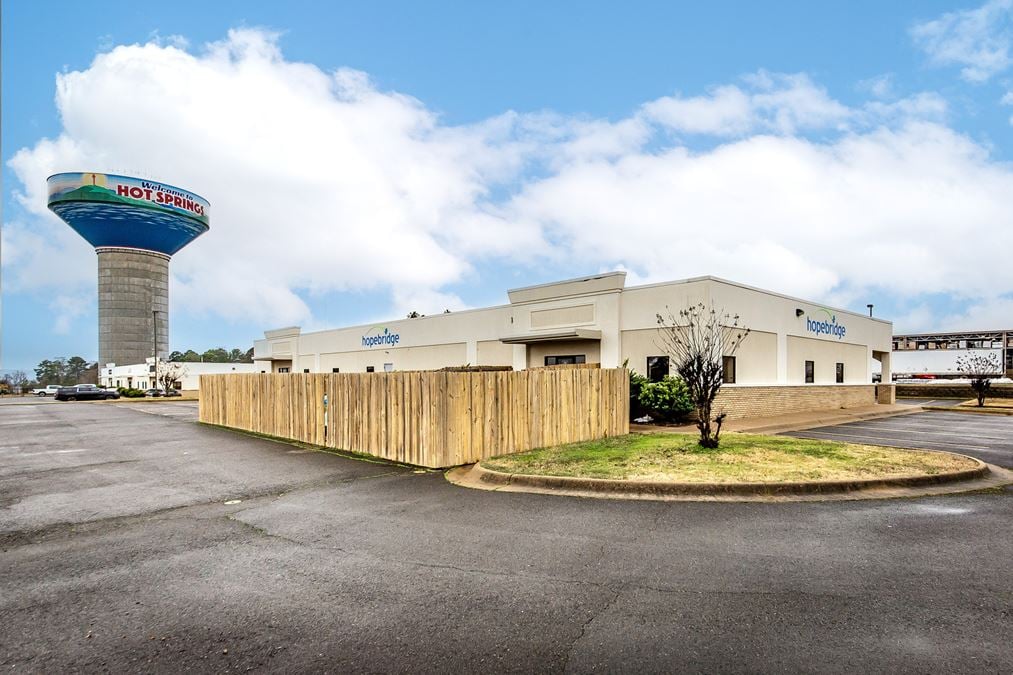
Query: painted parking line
[[884, 440], [916, 425], [933, 424], [921, 431], [941, 425], [52, 452], [976, 418]]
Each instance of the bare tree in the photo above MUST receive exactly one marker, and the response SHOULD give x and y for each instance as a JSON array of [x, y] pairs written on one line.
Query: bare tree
[[168, 373], [980, 369], [18, 381], [697, 340]]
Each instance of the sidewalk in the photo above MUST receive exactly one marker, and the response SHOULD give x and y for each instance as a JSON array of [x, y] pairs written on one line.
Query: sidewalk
[[793, 421]]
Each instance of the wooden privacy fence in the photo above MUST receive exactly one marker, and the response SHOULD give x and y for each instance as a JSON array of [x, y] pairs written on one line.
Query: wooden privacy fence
[[429, 418]]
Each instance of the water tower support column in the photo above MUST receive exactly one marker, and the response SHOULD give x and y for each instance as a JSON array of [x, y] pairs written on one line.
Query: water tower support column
[[133, 293]]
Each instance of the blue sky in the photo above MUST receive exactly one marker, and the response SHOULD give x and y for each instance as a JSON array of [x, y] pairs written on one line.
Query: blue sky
[[367, 159]]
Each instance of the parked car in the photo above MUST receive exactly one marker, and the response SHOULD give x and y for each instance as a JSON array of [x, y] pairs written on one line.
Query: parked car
[[48, 390], [154, 393], [85, 392]]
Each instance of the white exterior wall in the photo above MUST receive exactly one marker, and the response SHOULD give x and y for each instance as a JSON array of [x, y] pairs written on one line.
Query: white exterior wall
[[780, 343], [139, 375], [626, 319]]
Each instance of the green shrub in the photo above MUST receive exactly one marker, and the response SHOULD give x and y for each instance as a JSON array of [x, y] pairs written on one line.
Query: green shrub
[[667, 400], [130, 392], [637, 382]]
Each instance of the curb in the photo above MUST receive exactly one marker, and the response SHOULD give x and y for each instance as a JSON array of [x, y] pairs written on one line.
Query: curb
[[621, 488]]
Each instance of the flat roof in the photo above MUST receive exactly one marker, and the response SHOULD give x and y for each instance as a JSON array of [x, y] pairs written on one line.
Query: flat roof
[[758, 290], [275, 332]]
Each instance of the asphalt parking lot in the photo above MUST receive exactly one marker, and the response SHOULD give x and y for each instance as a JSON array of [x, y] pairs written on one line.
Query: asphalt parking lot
[[144, 542], [987, 437]]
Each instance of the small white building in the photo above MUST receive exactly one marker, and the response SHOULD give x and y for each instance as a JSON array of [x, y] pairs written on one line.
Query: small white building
[[142, 375]]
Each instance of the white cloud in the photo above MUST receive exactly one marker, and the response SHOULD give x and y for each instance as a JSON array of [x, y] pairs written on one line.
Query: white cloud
[[980, 40], [766, 102], [1007, 99], [917, 209], [916, 319], [785, 105], [67, 307], [994, 313], [321, 182], [880, 86], [725, 111], [316, 180]]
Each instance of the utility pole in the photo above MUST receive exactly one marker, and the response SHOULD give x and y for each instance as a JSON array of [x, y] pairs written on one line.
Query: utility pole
[[154, 325]]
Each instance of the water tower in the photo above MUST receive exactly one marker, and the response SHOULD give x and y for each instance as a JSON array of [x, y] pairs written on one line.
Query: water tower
[[135, 225]]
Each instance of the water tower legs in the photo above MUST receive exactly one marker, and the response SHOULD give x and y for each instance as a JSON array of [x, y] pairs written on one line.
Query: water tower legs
[[133, 305]]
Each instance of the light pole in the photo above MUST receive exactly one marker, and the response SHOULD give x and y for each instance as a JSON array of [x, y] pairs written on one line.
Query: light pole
[[154, 346]]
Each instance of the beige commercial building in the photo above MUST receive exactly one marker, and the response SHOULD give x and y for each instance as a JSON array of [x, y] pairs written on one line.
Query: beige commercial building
[[597, 319]]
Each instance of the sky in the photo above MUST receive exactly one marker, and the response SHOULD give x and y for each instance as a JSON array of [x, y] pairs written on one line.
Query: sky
[[365, 160]]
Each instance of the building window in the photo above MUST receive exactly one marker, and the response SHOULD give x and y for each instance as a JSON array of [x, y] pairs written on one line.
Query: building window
[[335, 370], [565, 360], [370, 369], [283, 370], [306, 370], [810, 372], [657, 368], [728, 369], [388, 367], [840, 373]]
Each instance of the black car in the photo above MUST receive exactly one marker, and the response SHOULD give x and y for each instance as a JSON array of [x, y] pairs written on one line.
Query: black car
[[84, 393]]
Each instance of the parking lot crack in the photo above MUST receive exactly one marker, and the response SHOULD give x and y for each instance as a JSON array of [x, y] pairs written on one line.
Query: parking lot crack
[[271, 535], [587, 624]]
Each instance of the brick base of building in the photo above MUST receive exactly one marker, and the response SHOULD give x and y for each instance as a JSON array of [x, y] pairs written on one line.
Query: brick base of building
[[742, 402], [886, 394]]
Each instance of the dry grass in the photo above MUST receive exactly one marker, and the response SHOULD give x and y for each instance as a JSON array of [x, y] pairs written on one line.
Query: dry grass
[[1002, 403], [741, 458]]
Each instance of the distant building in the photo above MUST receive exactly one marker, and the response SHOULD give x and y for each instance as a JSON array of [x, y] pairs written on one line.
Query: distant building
[[920, 354], [142, 375]]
